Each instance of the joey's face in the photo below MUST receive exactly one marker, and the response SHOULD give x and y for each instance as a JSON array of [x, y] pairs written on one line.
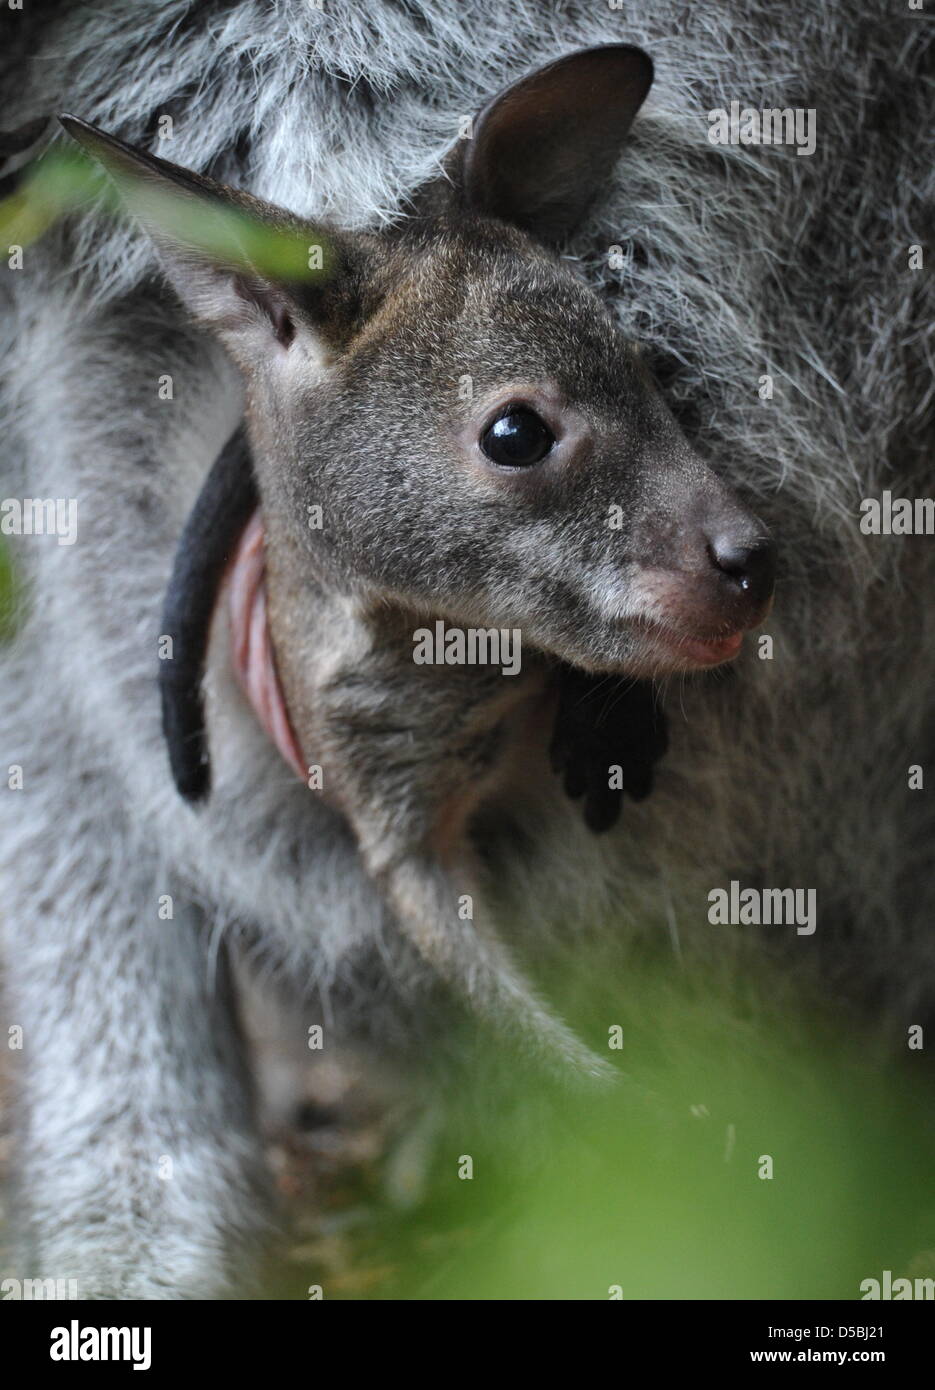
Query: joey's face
[[493, 451]]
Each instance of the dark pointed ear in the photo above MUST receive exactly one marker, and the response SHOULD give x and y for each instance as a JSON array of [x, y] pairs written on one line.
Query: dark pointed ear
[[245, 268], [544, 148]]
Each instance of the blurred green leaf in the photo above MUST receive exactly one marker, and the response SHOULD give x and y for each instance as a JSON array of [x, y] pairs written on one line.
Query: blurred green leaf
[[9, 593], [655, 1188], [61, 182]]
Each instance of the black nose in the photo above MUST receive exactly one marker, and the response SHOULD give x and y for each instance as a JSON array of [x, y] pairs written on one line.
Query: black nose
[[752, 568]]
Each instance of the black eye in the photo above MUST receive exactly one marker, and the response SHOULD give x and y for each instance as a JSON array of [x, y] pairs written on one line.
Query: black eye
[[518, 439]]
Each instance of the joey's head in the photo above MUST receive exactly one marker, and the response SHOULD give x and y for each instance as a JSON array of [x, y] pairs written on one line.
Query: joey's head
[[483, 443], [493, 450]]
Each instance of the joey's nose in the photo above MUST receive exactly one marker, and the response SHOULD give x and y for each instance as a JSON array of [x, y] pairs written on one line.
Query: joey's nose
[[750, 568]]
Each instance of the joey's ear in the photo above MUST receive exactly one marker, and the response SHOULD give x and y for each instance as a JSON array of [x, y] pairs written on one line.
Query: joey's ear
[[245, 268], [543, 148]]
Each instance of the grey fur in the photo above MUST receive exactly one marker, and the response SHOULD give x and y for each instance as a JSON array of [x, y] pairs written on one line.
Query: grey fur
[[738, 263]]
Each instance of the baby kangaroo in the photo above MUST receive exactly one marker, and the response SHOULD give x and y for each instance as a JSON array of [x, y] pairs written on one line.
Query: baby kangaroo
[[447, 433]]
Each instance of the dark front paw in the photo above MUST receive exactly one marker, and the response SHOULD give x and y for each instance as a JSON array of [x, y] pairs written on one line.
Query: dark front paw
[[609, 732]]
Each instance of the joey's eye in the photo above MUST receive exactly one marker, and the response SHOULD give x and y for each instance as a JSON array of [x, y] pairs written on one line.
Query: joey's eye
[[518, 439]]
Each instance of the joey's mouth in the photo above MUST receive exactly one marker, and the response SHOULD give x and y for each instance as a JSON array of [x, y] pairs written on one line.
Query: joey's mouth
[[679, 651]]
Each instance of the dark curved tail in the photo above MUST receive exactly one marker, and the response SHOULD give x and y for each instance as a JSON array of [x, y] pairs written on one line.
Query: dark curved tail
[[225, 504]]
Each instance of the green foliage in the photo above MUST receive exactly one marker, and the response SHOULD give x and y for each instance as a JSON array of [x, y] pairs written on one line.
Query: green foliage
[[62, 182], [9, 593], [655, 1189]]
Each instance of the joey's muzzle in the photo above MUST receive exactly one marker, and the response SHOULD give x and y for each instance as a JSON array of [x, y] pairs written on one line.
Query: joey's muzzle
[[706, 574]]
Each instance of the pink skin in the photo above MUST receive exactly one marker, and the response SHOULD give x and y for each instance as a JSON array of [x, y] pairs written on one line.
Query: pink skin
[[692, 653], [252, 650], [711, 653]]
